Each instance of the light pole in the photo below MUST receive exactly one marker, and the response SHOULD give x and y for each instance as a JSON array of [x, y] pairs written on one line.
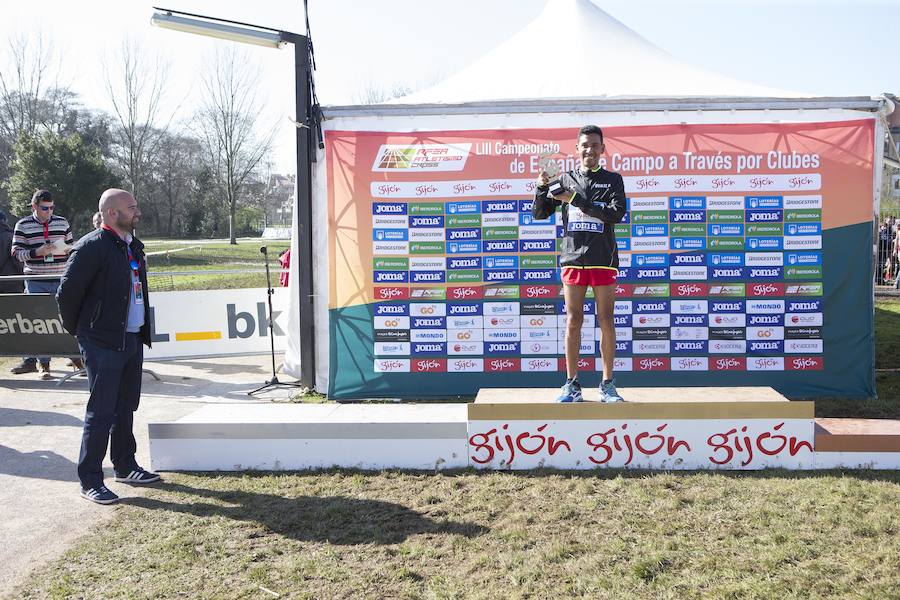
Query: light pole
[[306, 119]]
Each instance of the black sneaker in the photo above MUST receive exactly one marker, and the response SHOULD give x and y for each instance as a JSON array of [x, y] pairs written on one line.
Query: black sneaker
[[100, 494], [138, 477]]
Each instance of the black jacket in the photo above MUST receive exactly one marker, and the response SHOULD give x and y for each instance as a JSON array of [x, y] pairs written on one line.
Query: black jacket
[[597, 204], [9, 265], [94, 291]]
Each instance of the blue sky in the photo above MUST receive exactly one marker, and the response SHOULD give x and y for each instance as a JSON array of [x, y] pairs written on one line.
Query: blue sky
[[822, 47]]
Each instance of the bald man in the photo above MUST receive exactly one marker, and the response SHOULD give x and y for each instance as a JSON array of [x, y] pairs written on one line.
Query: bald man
[[103, 302]]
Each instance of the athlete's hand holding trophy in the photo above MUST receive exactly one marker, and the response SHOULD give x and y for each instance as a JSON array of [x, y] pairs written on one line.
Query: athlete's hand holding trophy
[[549, 177]]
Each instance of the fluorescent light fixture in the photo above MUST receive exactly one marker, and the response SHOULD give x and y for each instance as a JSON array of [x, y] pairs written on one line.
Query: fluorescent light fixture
[[218, 30]]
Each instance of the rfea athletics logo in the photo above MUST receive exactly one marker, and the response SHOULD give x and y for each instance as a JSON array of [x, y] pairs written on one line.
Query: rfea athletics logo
[[421, 157]]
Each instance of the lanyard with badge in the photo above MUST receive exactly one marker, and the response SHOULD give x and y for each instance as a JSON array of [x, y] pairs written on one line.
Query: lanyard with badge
[[47, 257], [135, 276]]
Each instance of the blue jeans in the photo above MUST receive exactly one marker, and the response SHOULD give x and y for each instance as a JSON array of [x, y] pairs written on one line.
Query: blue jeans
[[40, 286], [115, 384]]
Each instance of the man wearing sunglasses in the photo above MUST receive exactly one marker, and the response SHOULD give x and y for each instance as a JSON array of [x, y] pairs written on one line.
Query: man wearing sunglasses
[[42, 241]]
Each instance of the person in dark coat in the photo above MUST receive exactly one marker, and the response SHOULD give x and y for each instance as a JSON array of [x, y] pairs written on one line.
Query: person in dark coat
[[9, 264]]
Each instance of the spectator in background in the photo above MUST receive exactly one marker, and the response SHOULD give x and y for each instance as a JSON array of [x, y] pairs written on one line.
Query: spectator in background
[[285, 260], [42, 241], [97, 220], [9, 264], [884, 245]]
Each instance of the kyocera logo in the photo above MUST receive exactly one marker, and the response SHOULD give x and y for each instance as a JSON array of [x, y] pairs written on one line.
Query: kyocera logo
[[728, 364], [756, 216], [806, 363], [689, 289], [502, 347], [390, 293], [421, 190], [651, 306], [501, 364], [499, 207], [390, 276], [528, 245], [651, 364], [393, 209], [388, 189], [499, 186], [462, 188], [465, 263], [539, 291], [398, 309], [461, 293], [428, 365]]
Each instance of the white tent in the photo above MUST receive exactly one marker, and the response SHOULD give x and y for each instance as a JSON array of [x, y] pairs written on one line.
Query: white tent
[[576, 50]]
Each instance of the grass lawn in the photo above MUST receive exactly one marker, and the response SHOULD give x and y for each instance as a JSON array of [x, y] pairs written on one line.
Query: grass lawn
[[607, 534], [204, 255]]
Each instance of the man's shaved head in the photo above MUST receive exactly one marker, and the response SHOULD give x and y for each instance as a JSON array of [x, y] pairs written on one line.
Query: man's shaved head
[[118, 210]]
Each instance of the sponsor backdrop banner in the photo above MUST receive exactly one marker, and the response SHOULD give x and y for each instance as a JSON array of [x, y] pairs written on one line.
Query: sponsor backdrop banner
[[745, 260], [183, 324]]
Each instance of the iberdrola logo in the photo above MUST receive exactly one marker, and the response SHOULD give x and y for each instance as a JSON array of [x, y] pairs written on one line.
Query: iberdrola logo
[[421, 157]]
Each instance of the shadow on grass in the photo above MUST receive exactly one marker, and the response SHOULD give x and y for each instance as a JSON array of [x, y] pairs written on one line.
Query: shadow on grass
[[334, 519]]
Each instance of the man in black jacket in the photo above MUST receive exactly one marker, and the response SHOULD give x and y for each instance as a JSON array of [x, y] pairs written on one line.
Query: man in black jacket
[[592, 201], [103, 302]]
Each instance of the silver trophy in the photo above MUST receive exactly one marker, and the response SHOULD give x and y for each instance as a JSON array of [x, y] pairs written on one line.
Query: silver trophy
[[549, 166]]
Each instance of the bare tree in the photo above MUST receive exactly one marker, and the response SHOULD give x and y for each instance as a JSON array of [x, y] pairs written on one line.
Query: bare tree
[[374, 93], [175, 166], [229, 117], [135, 83]]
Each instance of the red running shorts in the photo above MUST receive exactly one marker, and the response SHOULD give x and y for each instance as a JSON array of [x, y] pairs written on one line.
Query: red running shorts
[[589, 276]]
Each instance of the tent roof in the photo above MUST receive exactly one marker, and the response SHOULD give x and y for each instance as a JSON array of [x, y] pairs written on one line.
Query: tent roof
[[532, 65]]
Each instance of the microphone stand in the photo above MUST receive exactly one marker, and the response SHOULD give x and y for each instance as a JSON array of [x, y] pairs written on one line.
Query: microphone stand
[[272, 383]]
